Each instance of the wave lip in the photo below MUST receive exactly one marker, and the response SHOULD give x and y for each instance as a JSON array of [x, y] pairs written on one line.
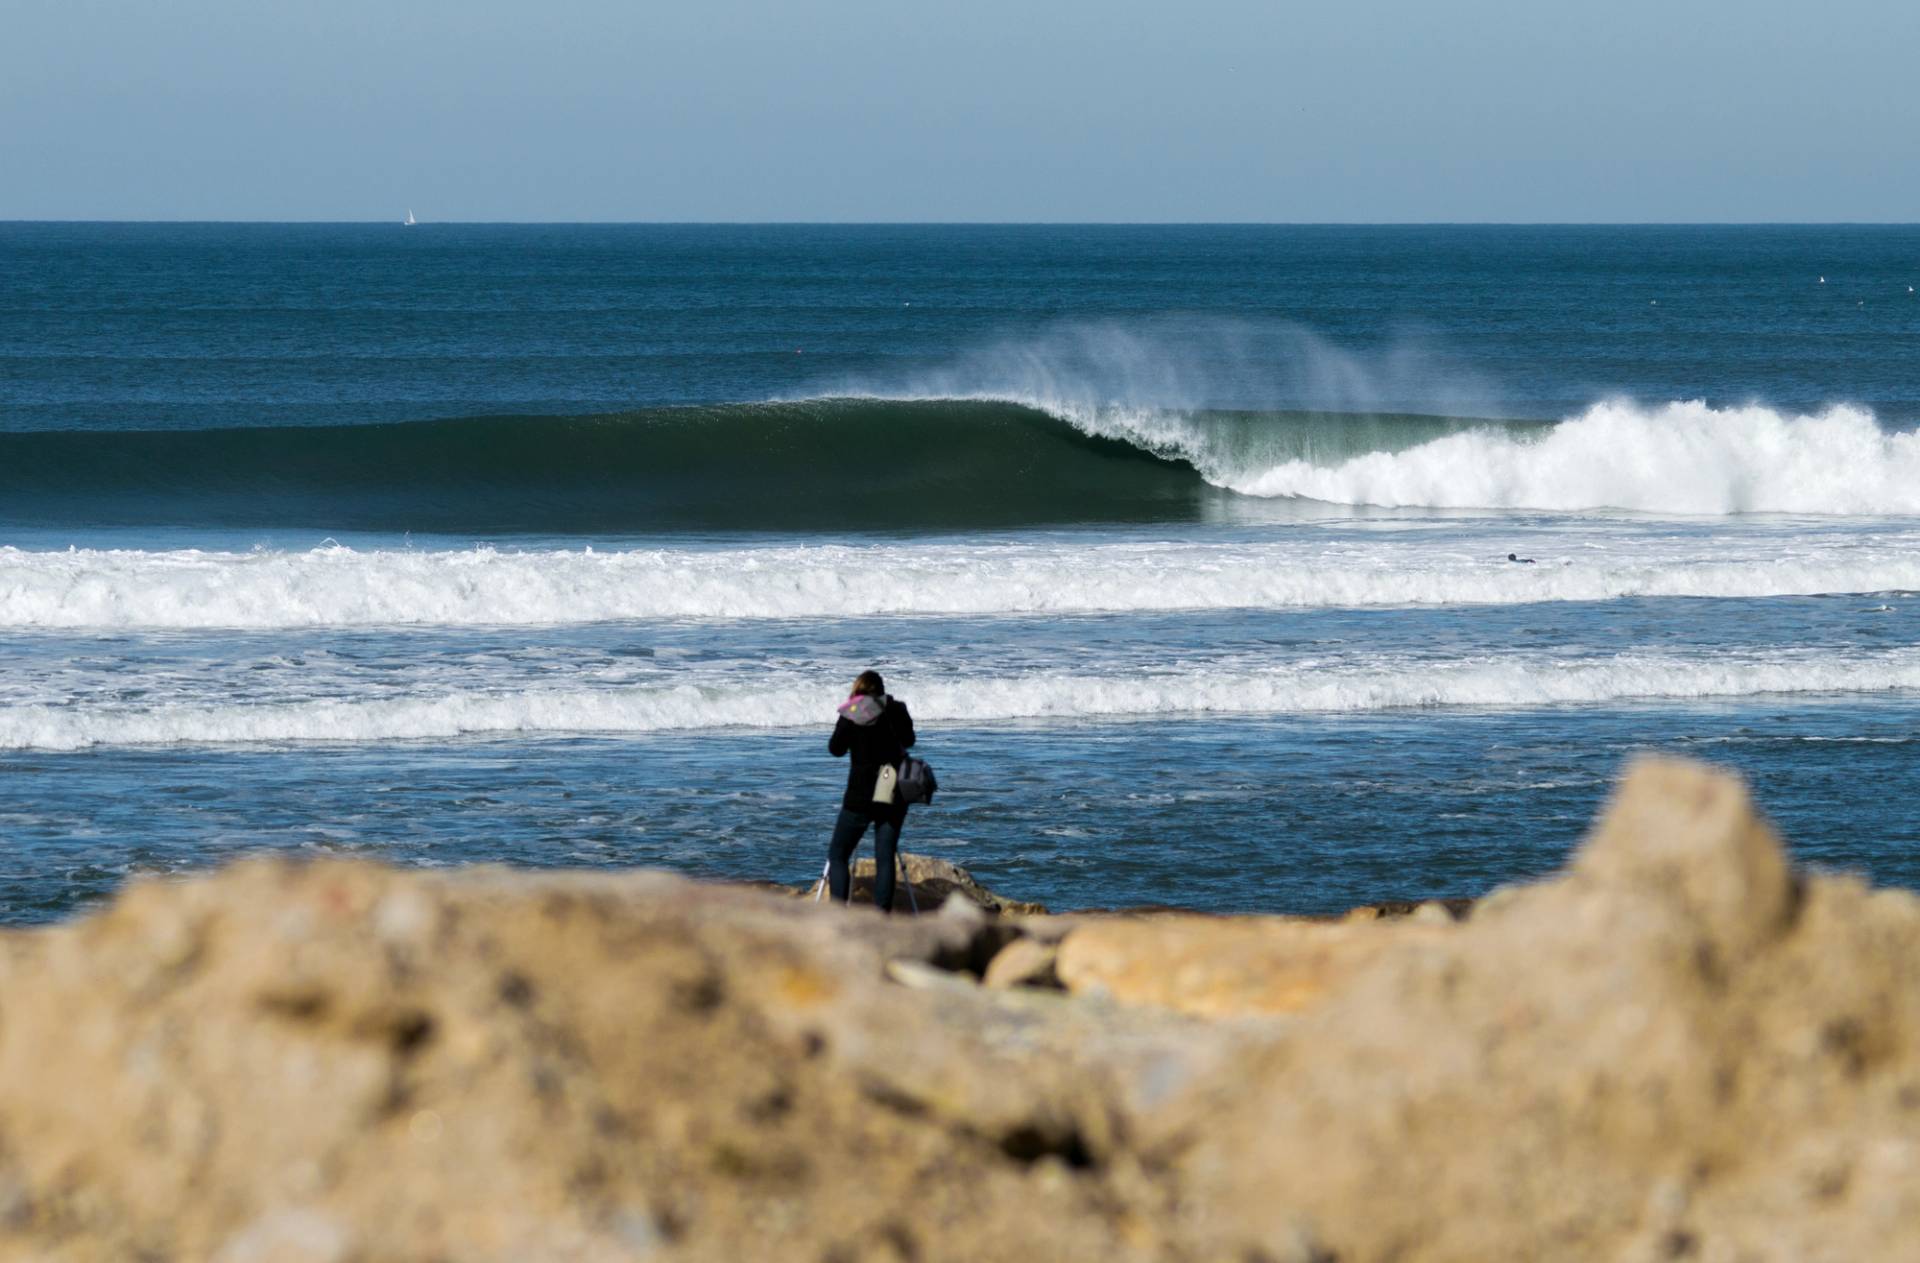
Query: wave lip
[[336, 586], [1504, 682]]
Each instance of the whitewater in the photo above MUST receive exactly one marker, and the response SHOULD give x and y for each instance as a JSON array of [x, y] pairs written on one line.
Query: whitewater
[[1388, 563], [1683, 458], [752, 701]]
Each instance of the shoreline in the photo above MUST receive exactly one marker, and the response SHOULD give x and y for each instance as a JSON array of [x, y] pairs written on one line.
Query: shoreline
[[934, 880]]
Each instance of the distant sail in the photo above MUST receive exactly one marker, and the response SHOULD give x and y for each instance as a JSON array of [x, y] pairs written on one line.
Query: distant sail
[[410, 221]]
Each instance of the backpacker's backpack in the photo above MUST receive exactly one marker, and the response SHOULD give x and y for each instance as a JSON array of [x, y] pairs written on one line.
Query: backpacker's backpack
[[916, 783]]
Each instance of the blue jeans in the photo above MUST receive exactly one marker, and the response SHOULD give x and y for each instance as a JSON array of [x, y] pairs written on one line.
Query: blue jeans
[[847, 831]]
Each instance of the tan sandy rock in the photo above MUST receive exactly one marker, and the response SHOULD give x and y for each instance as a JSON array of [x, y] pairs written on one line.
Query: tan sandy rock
[[1025, 962], [1679, 1050], [342, 1060], [1225, 966]]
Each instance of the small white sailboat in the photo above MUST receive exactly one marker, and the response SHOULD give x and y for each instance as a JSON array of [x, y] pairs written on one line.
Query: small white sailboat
[[409, 221]]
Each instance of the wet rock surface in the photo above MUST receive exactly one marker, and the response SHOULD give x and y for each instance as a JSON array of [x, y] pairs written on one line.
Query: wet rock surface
[[1681, 1049]]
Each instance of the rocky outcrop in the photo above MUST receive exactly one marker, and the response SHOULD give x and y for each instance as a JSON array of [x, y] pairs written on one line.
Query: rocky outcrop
[[929, 883], [345, 1061], [1678, 1050]]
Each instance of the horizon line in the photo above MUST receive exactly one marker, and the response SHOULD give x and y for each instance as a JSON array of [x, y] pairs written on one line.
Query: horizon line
[[990, 223]]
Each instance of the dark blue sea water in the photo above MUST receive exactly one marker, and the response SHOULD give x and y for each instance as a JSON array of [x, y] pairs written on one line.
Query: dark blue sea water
[[557, 545]]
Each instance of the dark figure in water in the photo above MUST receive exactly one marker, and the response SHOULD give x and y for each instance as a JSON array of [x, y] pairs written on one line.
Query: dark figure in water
[[876, 730], [1525, 561]]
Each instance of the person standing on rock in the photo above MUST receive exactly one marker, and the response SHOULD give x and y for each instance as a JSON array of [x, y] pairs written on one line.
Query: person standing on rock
[[875, 730]]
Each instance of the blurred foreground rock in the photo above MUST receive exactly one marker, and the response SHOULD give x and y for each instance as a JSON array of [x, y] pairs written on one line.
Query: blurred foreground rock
[[1678, 1050]]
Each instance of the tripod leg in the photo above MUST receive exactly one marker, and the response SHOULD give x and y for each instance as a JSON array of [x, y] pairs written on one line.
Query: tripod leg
[[821, 892], [900, 865]]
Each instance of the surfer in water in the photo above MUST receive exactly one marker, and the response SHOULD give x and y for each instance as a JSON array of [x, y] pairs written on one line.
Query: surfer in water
[[1525, 561]]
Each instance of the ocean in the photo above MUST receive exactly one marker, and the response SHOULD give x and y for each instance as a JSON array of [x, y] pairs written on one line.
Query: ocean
[[1188, 546]]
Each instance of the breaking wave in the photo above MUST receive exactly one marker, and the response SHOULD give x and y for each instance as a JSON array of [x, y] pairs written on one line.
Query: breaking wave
[[1499, 682], [336, 586], [987, 462]]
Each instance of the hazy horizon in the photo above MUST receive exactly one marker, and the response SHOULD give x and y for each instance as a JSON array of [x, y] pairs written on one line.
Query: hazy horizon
[[1005, 223]]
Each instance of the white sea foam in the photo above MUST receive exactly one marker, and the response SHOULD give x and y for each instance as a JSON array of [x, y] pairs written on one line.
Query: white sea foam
[[790, 701], [1293, 568], [1683, 458]]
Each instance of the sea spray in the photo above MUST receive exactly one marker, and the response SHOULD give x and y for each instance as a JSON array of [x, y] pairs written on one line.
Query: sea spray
[[1172, 367]]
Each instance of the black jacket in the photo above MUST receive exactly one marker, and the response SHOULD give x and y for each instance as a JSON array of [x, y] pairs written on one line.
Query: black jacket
[[883, 741]]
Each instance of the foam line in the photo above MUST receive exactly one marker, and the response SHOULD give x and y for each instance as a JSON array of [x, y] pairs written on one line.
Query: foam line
[[341, 587], [1505, 681]]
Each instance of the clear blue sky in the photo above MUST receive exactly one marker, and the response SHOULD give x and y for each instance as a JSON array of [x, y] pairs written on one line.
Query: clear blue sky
[[1357, 110]]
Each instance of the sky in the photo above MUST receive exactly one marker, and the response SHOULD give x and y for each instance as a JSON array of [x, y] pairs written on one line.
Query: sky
[[987, 110]]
